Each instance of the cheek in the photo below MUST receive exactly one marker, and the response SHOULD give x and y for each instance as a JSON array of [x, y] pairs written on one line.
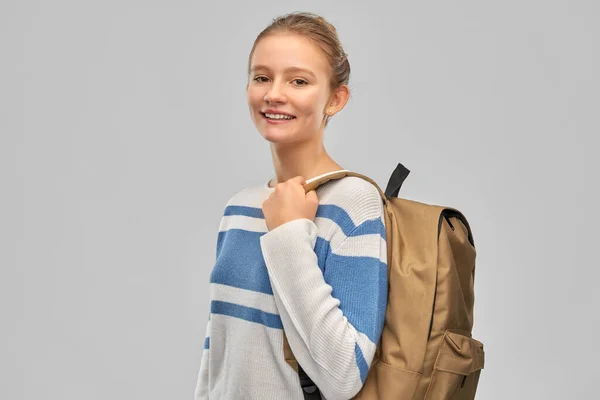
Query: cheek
[[310, 104], [253, 97]]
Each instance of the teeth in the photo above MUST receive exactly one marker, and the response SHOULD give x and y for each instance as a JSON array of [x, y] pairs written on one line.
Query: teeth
[[278, 116]]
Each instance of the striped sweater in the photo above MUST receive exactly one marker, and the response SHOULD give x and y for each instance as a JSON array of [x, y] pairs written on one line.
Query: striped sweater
[[323, 282]]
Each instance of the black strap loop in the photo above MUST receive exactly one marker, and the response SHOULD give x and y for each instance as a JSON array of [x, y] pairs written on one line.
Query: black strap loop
[[396, 180]]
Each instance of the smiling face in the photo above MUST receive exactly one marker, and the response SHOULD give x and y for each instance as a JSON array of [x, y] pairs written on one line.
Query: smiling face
[[289, 75]]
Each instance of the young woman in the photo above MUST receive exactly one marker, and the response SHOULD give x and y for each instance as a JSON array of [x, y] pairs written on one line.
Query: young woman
[[312, 265]]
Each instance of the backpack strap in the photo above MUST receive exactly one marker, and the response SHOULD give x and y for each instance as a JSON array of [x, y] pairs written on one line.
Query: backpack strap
[[314, 183], [392, 189]]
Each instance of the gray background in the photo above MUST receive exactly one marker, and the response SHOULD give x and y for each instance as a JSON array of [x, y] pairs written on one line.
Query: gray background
[[124, 131]]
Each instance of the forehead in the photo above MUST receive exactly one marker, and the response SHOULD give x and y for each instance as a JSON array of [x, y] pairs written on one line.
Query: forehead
[[281, 51]]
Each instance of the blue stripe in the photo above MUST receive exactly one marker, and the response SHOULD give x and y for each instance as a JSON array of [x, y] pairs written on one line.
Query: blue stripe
[[363, 367], [240, 262], [245, 211], [370, 227], [207, 343], [322, 248], [361, 286], [338, 215], [246, 313]]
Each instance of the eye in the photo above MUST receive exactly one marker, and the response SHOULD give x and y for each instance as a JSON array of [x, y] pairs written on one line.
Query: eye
[[302, 81], [259, 79]]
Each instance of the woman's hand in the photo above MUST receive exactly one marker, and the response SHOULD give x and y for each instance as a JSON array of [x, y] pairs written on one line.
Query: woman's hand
[[289, 202]]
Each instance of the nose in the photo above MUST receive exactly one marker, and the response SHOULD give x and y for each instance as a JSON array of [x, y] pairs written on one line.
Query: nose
[[275, 94]]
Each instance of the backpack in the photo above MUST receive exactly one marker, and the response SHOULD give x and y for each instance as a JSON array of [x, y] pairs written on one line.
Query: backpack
[[426, 349]]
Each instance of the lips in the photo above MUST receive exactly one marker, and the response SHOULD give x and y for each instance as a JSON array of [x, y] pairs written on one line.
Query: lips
[[276, 121], [272, 111]]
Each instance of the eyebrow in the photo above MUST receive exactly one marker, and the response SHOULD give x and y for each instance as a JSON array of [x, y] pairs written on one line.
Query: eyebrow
[[290, 69]]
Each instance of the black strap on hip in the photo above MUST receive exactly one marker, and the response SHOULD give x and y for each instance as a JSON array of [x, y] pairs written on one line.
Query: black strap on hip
[[309, 389]]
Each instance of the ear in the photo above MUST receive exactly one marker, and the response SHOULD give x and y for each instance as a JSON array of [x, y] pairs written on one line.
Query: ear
[[337, 100]]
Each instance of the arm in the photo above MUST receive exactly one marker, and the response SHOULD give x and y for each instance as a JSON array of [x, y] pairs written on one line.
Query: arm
[[333, 321]]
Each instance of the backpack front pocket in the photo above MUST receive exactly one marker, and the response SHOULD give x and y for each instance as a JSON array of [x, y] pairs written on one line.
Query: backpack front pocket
[[457, 367]]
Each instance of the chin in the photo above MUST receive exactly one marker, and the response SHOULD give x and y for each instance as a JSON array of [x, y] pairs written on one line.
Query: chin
[[275, 136]]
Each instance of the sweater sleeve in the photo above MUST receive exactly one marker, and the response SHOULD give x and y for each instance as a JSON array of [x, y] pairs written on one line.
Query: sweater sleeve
[[202, 384], [201, 392], [333, 319]]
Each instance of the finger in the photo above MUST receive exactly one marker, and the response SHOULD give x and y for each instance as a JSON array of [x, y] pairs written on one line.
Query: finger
[[312, 196], [298, 179]]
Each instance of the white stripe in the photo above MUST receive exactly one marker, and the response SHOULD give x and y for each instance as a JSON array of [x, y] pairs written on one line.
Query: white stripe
[[326, 226], [248, 298], [250, 197], [366, 346], [363, 244], [242, 222]]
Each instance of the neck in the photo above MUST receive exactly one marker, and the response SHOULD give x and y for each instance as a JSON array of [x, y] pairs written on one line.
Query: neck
[[307, 159]]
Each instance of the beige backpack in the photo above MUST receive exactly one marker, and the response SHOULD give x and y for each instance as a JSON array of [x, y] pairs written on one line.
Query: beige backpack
[[426, 350]]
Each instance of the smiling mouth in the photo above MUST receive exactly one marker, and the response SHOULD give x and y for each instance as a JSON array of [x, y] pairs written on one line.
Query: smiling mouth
[[277, 117]]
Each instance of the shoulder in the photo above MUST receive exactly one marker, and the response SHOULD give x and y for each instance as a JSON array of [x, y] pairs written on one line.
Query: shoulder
[[252, 197], [357, 197], [354, 186]]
